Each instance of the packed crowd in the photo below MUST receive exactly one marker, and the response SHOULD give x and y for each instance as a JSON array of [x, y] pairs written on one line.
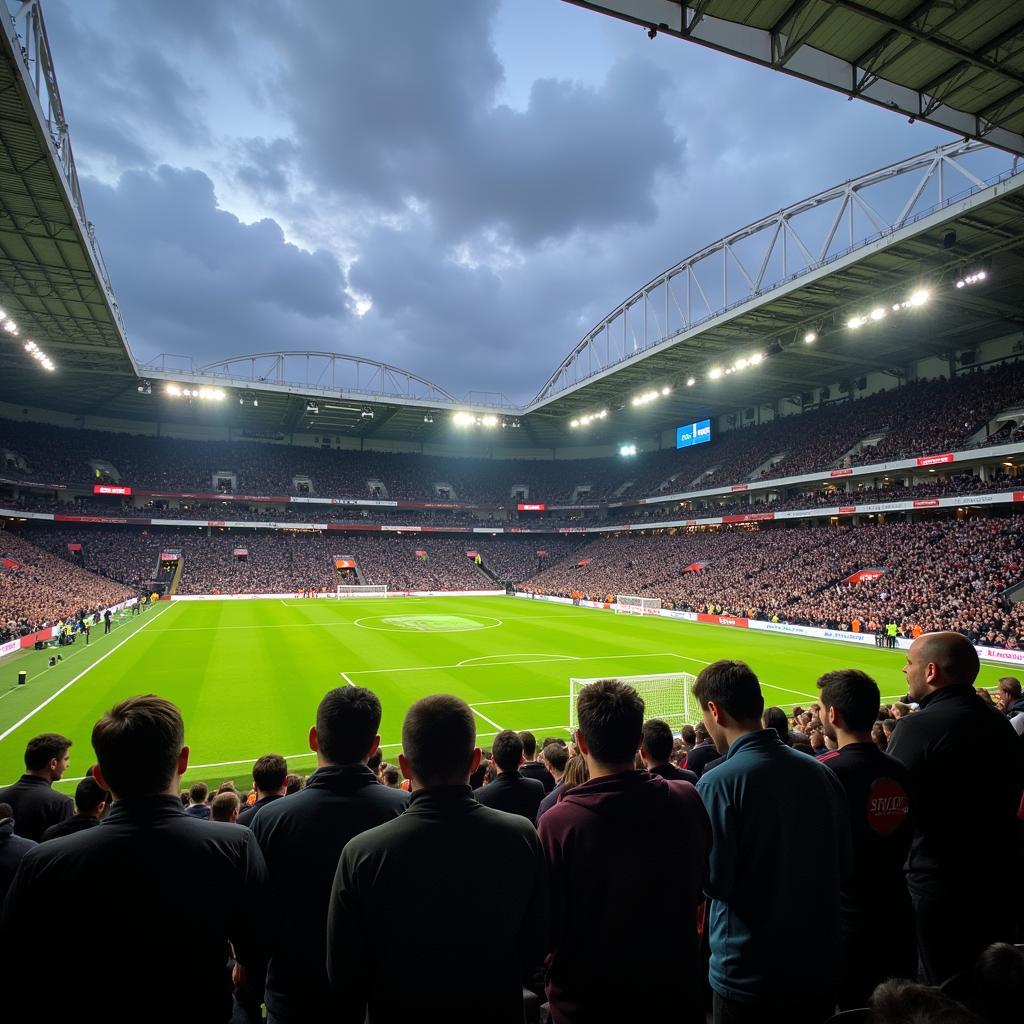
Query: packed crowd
[[930, 416], [941, 574], [38, 589], [294, 890]]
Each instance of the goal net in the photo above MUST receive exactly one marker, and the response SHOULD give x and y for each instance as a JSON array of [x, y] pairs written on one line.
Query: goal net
[[668, 697], [365, 590], [628, 604]]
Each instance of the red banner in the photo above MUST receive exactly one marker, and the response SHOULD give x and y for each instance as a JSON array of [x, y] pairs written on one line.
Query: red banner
[[845, 471], [542, 554], [696, 567], [863, 575], [531, 508], [472, 554], [582, 562], [241, 552], [723, 620], [170, 556], [753, 517], [845, 510], [934, 460], [1018, 495], [739, 487], [344, 563], [10, 563], [927, 503], [111, 489], [74, 547]]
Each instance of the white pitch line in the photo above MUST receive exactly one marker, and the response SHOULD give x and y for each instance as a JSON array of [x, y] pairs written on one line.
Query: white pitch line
[[543, 657], [72, 682], [545, 660], [489, 721], [346, 678], [519, 700]]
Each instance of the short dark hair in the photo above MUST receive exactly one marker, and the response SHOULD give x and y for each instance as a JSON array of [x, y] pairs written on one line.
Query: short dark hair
[[438, 738], [700, 733], [552, 739], [556, 755], [198, 792], [295, 783], [89, 794], [1010, 685], [347, 721], [733, 686], [6, 811], [529, 745], [688, 734], [270, 771], [898, 1001], [41, 750], [611, 717], [137, 744], [854, 694], [391, 777], [223, 804], [777, 719], [657, 740], [507, 750]]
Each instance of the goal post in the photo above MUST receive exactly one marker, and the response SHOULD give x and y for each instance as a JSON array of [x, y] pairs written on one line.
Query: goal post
[[363, 590], [668, 697], [631, 604]]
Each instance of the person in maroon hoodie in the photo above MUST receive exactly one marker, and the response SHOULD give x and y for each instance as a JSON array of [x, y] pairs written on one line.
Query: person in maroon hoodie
[[617, 845]]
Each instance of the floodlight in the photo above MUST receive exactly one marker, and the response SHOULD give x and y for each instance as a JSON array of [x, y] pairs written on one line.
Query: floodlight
[[810, 337], [715, 372], [489, 421], [854, 322], [574, 423], [690, 381], [877, 313], [755, 359], [920, 297], [666, 390], [462, 419]]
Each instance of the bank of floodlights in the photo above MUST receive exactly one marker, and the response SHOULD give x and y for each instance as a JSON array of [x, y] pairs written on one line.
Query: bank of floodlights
[[10, 327], [585, 421], [202, 394]]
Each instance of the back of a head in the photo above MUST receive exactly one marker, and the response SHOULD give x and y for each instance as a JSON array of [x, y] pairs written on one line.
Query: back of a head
[[998, 983], [576, 771], [904, 1002], [224, 806], [89, 794], [700, 733], [42, 749], [854, 694], [688, 734], [137, 745], [733, 687], [1010, 687], [198, 792], [294, 783], [556, 755], [611, 717], [657, 740], [347, 722], [6, 811], [776, 718], [391, 777], [269, 772], [529, 742], [955, 656], [507, 750], [438, 740]]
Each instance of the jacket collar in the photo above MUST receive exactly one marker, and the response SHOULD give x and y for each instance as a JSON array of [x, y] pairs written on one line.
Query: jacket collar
[[342, 777], [759, 739], [946, 693], [145, 808]]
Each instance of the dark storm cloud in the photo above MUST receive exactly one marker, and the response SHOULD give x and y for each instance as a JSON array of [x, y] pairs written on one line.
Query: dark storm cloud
[[265, 165], [200, 282], [123, 91], [394, 103]]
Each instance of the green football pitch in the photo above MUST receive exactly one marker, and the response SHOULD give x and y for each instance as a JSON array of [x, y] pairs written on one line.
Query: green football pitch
[[248, 675]]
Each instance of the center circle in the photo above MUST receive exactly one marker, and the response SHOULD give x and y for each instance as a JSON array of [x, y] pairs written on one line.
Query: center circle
[[428, 623]]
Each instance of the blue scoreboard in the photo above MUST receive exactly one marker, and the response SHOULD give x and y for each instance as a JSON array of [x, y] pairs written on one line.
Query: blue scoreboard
[[690, 434]]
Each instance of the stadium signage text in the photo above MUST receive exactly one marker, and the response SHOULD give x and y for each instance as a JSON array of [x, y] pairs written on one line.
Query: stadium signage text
[[935, 460], [531, 508], [690, 434], [111, 489]]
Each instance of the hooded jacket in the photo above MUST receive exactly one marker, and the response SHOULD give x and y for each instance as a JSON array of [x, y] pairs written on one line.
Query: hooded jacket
[[619, 846]]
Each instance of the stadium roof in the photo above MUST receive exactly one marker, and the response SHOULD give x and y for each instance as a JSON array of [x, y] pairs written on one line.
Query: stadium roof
[[956, 65], [921, 222]]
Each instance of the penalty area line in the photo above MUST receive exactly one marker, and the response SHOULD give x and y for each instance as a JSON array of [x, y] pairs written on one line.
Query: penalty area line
[[85, 671], [346, 678], [489, 721]]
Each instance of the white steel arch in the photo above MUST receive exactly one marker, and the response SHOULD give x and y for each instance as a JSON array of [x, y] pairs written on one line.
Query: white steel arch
[[327, 371], [775, 251]]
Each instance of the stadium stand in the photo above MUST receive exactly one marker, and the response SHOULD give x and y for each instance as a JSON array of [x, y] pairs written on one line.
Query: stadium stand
[[927, 416]]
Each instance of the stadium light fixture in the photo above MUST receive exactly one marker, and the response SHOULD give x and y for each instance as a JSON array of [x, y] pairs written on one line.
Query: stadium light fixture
[[854, 322], [428, 418], [878, 313], [715, 372], [627, 450], [462, 419], [810, 337], [690, 381], [489, 421], [920, 297], [10, 327]]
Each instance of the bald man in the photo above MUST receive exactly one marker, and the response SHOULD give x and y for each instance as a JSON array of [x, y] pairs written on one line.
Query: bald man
[[967, 768]]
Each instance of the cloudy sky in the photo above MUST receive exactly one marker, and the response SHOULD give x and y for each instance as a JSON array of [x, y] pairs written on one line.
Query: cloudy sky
[[458, 187]]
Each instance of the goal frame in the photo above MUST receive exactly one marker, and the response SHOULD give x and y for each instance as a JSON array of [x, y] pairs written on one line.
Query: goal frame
[[634, 604], [649, 686], [347, 591]]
